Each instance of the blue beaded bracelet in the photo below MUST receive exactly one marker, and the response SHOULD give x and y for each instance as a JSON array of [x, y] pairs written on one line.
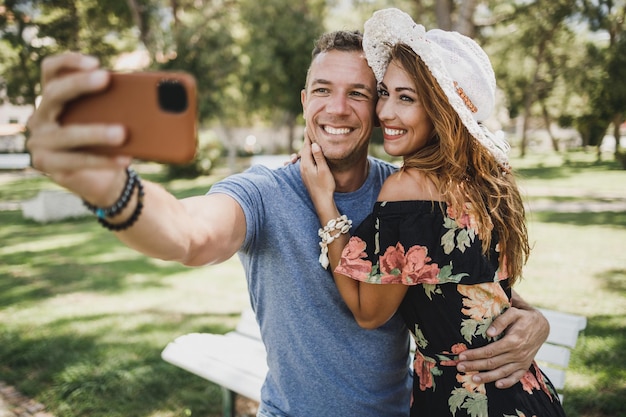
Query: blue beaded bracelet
[[133, 217], [131, 181]]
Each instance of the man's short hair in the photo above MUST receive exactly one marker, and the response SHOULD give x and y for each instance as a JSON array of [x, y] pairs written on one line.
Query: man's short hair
[[340, 40]]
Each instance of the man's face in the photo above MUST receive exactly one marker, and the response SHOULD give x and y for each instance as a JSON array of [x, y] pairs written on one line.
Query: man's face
[[339, 104]]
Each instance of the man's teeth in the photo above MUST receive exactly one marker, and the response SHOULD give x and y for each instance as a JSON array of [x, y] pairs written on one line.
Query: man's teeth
[[337, 131], [394, 132]]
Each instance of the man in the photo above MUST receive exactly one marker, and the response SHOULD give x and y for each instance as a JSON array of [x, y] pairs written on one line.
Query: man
[[321, 363]]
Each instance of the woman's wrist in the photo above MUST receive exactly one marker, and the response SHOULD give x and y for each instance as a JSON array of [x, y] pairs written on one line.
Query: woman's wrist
[[326, 209]]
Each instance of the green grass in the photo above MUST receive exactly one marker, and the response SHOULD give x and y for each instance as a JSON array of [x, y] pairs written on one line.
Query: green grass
[[83, 319], [578, 265]]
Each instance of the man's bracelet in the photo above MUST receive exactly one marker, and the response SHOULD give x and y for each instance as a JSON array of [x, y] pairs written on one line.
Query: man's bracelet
[[133, 217], [131, 181]]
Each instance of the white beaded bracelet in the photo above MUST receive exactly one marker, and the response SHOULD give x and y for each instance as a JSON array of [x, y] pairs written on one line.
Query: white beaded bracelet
[[333, 229]]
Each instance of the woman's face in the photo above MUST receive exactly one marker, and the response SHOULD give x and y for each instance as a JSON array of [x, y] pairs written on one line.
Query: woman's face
[[406, 126]]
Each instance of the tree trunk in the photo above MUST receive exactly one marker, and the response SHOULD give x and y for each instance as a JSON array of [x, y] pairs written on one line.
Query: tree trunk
[[443, 11], [465, 24], [617, 121], [546, 120], [524, 130], [137, 11], [530, 92], [291, 126], [231, 146]]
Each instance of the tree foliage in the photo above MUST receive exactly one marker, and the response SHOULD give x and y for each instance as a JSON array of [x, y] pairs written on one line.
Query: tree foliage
[[529, 54], [250, 58], [202, 44], [33, 29], [277, 47]]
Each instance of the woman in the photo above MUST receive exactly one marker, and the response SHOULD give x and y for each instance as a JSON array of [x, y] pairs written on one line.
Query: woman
[[448, 232]]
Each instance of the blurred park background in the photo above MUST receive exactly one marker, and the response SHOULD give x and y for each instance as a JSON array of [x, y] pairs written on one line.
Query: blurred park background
[[83, 319]]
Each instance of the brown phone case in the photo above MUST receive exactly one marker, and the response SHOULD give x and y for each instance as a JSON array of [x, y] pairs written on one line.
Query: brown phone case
[[158, 110]]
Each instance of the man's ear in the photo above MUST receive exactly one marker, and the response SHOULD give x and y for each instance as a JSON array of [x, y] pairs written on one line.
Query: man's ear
[[303, 99]]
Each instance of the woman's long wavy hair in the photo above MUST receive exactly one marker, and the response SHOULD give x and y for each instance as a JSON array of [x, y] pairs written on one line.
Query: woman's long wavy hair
[[464, 171]]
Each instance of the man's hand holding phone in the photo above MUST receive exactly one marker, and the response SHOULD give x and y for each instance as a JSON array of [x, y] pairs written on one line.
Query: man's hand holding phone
[[86, 158]]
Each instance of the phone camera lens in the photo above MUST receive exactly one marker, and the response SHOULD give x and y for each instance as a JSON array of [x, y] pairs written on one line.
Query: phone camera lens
[[172, 96]]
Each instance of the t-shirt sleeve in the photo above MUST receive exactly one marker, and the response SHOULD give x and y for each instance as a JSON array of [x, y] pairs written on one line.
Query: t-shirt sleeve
[[247, 188]]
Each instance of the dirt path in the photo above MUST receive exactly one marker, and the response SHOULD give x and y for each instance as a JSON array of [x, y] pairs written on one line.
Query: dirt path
[[14, 404]]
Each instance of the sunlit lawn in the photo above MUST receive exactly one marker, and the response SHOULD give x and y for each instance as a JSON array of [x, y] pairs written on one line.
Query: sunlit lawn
[[83, 319]]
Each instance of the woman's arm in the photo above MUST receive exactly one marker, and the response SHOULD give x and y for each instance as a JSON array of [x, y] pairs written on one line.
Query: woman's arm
[[371, 304]]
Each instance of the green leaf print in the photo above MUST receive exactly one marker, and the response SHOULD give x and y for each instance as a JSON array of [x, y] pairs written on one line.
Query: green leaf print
[[476, 405], [457, 399], [474, 402], [374, 276], [471, 328], [445, 275], [377, 239], [420, 340], [447, 242], [449, 223], [468, 329], [463, 240], [482, 328], [430, 289]]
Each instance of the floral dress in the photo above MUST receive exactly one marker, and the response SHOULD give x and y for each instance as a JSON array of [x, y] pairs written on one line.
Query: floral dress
[[455, 293]]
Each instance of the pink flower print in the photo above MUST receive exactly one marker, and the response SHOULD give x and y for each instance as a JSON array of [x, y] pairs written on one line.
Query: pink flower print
[[417, 270], [541, 381], [423, 370], [465, 379], [466, 220], [391, 264], [353, 262], [483, 301], [456, 349], [529, 382], [451, 212]]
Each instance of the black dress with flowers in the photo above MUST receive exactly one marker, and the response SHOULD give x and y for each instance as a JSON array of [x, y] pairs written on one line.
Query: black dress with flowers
[[455, 293]]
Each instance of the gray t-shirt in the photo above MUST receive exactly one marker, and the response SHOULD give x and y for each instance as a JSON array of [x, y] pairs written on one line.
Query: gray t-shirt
[[321, 363]]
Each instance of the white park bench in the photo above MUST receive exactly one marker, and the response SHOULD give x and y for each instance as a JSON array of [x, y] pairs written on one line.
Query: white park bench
[[236, 361], [553, 356]]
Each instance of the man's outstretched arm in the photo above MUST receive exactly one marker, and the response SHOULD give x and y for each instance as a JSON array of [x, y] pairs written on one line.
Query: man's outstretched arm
[[507, 360]]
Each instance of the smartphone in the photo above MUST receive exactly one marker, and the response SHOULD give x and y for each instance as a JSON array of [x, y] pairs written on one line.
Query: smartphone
[[158, 110]]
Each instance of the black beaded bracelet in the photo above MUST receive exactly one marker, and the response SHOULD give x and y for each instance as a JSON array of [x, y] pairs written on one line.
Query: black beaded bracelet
[[133, 217], [131, 181]]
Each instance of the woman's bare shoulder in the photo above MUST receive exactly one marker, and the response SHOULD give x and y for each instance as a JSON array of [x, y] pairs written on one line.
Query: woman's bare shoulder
[[409, 184]]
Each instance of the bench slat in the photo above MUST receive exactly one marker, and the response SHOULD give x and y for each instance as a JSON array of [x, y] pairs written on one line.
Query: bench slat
[[234, 361], [552, 354], [556, 376], [564, 327], [248, 325]]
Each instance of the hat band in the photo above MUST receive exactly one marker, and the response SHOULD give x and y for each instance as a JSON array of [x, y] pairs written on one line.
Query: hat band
[[465, 98]]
